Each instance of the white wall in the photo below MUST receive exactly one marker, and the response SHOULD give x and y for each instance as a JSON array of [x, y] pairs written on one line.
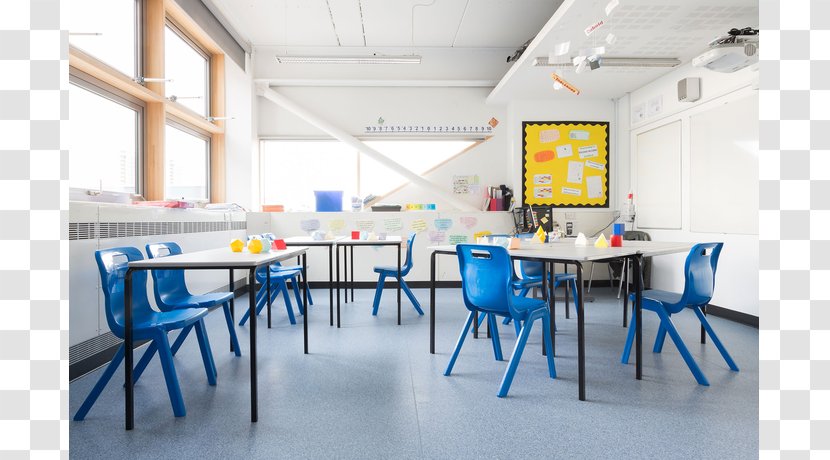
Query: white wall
[[354, 108], [737, 276], [241, 154]]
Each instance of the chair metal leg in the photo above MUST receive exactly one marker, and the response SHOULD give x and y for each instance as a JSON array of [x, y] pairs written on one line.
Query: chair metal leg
[[378, 294], [170, 377], [711, 332], [515, 358], [460, 342], [495, 337], [100, 385], [681, 347], [231, 329], [207, 354]]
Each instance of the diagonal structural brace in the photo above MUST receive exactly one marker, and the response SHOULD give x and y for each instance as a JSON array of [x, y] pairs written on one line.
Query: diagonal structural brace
[[265, 91]]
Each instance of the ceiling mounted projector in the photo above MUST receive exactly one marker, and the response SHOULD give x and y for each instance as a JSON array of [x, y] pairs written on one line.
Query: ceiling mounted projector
[[731, 52]]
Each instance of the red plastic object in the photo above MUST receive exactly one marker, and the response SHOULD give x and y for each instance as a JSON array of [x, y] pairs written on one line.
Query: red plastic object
[[279, 244], [616, 241], [355, 235]]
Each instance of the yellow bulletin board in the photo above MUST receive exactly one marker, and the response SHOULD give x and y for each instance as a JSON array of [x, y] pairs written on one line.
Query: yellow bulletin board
[[565, 163]]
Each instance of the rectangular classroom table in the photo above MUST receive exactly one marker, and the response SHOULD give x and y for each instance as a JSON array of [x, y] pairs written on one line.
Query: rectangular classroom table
[[569, 253], [211, 259], [311, 242], [350, 243]]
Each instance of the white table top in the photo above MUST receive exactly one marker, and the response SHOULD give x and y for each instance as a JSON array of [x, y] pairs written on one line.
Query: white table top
[[390, 240], [566, 250], [220, 258], [309, 241]]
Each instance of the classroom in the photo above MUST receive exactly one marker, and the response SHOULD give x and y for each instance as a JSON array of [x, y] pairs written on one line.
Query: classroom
[[363, 207]]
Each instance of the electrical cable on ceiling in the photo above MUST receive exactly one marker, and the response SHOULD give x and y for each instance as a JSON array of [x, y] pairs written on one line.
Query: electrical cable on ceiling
[[334, 27], [412, 27], [460, 22], [362, 23]]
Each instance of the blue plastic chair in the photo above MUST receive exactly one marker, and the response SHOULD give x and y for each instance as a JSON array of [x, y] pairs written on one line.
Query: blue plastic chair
[[701, 265], [486, 283], [280, 266], [148, 324], [171, 293], [279, 285], [392, 272]]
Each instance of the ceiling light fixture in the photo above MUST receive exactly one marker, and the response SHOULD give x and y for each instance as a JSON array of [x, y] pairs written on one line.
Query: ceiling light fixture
[[375, 59], [612, 62]]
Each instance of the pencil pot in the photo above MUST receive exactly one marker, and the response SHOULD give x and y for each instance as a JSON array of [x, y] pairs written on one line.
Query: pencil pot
[[329, 200]]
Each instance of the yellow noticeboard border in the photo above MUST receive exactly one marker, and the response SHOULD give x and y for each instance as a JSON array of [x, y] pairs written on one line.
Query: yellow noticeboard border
[[562, 160]]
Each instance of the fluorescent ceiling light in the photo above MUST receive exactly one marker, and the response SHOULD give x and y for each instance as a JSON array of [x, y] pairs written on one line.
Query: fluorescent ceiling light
[[614, 62], [380, 59]]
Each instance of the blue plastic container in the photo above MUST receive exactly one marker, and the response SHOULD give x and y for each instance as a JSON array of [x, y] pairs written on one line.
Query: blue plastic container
[[619, 229], [329, 200]]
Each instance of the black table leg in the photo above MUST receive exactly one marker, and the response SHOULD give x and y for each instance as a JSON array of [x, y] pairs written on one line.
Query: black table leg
[[399, 285], [638, 302], [128, 349], [331, 290], [337, 270], [351, 268], [580, 322], [230, 283], [567, 303], [432, 303], [252, 322], [268, 292], [702, 330], [546, 298], [552, 311], [625, 297], [305, 306]]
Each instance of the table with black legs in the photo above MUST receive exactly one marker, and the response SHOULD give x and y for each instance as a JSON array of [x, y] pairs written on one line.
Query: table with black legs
[[311, 242], [568, 253], [348, 246], [212, 259]]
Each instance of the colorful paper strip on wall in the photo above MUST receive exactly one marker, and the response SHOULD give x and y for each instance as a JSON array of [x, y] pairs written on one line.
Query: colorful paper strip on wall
[[565, 164]]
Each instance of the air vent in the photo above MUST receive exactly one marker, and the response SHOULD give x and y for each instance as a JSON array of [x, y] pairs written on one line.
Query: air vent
[[103, 230]]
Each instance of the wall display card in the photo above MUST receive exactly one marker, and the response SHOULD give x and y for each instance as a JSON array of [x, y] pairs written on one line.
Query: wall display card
[[337, 224], [310, 225], [579, 135], [418, 225], [437, 236], [564, 151], [588, 151], [442, 224], [575, 171], [465, 184], [594, 165], [571, 171], [365, 225], [542, 179], [458, 239], [468, 221], [594, 184], [549, 135], [393, 225]]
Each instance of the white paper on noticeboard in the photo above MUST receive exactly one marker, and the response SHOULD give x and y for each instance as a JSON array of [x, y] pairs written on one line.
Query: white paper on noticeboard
[[575, 172], [594, 186]]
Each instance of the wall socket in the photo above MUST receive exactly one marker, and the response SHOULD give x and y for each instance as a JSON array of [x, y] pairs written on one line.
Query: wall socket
[[569, 228]]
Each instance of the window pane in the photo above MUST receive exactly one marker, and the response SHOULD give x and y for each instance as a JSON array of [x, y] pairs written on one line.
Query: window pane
[[188, 69], [104, 143], [185, 165], [293, 170], [115, 21], [417, 156]]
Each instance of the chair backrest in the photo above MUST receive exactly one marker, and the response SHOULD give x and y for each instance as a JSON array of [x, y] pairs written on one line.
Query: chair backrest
[[701, 265], [636, 235], [530, 269], [112, 265], [407, 265], [486, 274], [167, 284]]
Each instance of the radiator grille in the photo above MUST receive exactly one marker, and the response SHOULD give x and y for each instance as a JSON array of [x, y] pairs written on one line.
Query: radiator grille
[[93, 230], [92, 346]]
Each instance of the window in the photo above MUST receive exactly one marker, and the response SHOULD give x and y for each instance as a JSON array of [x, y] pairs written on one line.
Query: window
[[188, 68], [105, 139], [332, 165], [186, 155], [114, 40]]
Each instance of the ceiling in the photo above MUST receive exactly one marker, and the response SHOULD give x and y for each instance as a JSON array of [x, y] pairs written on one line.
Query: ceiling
[[644, 28], [465, 42]]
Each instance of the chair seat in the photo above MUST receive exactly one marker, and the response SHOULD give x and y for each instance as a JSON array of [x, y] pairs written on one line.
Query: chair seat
[[669, 300], [145, 323], [523, 305], [210, 300], [391, 271], [519, 283]]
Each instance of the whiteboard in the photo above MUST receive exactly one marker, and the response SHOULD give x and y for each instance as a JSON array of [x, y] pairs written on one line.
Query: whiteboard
[[724, 168], [658, 194]]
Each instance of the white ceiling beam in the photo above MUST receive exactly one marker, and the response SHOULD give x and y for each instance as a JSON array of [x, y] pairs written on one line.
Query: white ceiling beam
[[268, 93], [379, 83]]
